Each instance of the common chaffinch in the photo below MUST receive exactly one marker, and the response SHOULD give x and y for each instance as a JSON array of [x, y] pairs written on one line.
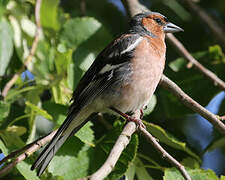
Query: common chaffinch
[[122, 78]]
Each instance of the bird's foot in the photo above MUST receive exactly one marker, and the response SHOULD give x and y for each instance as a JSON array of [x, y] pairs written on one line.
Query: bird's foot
[[138, 122]]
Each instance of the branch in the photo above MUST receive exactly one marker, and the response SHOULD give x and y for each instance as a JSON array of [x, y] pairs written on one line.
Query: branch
[[27, 151], [32, 51], [184, 52], [121, 143], [193, 105], [218, 32], [164, 153]]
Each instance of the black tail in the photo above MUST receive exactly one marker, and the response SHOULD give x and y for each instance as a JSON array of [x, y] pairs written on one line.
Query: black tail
[[63, 133]]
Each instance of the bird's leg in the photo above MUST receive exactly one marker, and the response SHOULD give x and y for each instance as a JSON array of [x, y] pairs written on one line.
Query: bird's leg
[[138, 122], [142, 113]]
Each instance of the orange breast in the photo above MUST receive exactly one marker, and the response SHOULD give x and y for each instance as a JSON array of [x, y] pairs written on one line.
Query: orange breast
[[147, 66]]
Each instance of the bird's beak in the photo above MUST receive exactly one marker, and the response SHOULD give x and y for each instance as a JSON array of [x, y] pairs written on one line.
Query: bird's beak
[[171, 28]]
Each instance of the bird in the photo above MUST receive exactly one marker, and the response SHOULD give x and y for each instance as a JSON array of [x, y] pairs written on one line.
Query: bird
[[121, 80]]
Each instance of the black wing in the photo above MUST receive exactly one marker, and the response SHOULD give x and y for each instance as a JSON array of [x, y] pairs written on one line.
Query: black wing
[[94, 81]]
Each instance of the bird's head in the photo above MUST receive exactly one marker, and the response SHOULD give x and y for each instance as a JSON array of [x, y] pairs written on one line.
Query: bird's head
[[153, 24]]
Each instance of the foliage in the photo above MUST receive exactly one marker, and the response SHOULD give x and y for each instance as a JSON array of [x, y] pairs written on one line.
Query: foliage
[[68, 44]]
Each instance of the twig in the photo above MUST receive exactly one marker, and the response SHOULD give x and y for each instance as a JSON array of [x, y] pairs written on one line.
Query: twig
[[29, 149], [218, 32], [184, 52], [190, 103], [32, 51], [121, 143], [164, 153]]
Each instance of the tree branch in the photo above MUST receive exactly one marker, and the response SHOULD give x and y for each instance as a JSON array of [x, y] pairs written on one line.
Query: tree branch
[[184, 52], [164, 153], [121, 143], [27, 151], [190, 103], [32, 51]]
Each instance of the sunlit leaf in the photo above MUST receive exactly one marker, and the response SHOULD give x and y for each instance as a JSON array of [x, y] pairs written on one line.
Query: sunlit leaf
[[6, 45], [24, 168], [73, 155], [49, 14], [38, 110], [196, 174], [86, 134]]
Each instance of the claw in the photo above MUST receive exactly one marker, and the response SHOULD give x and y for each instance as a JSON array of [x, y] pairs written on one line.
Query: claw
[[138, 122]]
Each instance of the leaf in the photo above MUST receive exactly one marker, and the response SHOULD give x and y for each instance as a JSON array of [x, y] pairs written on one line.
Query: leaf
[[3, 148], [18, 130], [86, 134], [105, 145], [4, 110], [151, 105], [91, 37], [49, 14], [6, 45], [219, 143], [178, 64], [82, 28], [38, 110], [57, 111], [216, 54], [141, 171], [196, 174], [11, 140], [222, 177], [191, 163], [73, 155], [24, 168], [130, 173], [168, 139]]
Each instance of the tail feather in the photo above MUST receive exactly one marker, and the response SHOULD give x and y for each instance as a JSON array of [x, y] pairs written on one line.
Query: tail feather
[[63, 133]]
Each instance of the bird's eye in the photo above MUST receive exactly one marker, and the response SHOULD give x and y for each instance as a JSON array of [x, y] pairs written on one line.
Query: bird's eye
[[158, 20]]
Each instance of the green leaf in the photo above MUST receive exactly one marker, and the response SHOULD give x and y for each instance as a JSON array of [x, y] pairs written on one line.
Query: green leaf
[[91, 37], [178, 64], [6, 45], [191, 163], [216, 54], [72, 160], [141, 171], [49, 14], [4, 110], [3, 148], [222, 177], [24, 168], [105, 145], [38, 110], [130, 173], [57, 111], [168, 139], [86, 134], [78, 30], [11, 140], [219, 143], [18, 130], [196, 174], [151, 105]]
